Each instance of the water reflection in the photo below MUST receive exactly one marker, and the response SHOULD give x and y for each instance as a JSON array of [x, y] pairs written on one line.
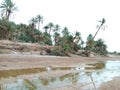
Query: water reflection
[[94, 73], [14, 73], [17, 72], [96, 66]]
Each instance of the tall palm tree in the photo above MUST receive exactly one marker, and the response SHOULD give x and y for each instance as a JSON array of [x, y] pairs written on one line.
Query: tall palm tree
[[7, 8], [89, 45], [33, 21], [50, 25], [65, 31], [56, 38], [102, 23], [46, 28], [39, 20], [56, 28], [56, 33], [77, 37]]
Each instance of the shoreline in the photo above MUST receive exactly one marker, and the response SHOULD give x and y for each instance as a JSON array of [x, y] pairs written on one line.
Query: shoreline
[[22, 61]]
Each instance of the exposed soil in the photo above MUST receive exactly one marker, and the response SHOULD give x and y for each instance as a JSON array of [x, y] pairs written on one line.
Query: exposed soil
[[13, 61]]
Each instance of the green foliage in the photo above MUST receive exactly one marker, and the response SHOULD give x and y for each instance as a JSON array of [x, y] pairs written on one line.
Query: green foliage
[[7, 7], [64, 50], [7, 29], [57, 52], [98, 46]]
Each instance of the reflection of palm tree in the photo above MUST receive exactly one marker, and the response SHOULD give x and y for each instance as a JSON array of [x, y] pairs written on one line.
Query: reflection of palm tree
[[8, 7], [102, 22]]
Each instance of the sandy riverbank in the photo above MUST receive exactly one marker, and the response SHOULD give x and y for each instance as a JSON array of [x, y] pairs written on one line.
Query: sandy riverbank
[[15, 61]]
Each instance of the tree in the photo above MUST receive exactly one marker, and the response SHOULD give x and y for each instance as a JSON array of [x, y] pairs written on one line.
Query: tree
[[90, 41], [102, 23], [39, 20], [56, 28], [89, 45], [32, 24], [56, 34], [65, 32], [56, 38], [99, 47], [8, 7], [50, 25], [82, 43], [76, 41], [77, 37], [46, 28]]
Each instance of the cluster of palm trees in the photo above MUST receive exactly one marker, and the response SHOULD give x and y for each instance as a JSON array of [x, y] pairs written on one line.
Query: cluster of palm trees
[[53, 34], [37, 20], [98, 46]]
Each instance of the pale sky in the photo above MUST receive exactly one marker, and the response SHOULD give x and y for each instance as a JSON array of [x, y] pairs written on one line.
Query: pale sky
[[80, 15]]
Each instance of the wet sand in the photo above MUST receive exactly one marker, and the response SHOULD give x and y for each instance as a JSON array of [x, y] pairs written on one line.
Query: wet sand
[[13, 61]]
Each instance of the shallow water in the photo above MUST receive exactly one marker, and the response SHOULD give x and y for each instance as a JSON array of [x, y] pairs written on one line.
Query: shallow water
[[89, 76]]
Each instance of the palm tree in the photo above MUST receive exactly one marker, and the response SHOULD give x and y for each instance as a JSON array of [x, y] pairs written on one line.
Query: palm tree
[[56, 38], [90, 42], [56, 28], [102, 22], [33, 21], [100, 47], [89, 45], [56, 33], [39, 20], [46, 28], [50, 25], [7, 7], [77, 37], [65, 31]]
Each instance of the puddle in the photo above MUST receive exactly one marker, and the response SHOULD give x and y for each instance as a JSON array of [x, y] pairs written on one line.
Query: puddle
[[93, 73]]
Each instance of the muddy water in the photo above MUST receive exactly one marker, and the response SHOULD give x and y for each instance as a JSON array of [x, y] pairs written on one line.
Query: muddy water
[[90, 76]]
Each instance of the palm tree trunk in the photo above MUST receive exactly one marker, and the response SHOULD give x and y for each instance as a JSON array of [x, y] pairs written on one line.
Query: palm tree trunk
[[50, 31], [38, 25], [97, 31], [7, 18]]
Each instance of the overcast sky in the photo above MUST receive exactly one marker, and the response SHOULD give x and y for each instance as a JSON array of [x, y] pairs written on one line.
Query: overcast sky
[[80, 15]]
